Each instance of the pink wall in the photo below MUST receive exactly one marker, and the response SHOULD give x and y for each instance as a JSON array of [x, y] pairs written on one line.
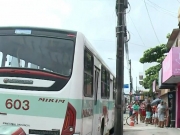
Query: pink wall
[[176, 61], [178, 107], [167, 66]]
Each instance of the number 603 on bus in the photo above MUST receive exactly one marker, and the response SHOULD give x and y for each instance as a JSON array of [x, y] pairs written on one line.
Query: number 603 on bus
[[17, 104]]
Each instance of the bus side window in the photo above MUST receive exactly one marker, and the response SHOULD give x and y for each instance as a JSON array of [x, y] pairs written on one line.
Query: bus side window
[[108, 85], [96, 85], [88, 74], [114, 88], [105, 83]]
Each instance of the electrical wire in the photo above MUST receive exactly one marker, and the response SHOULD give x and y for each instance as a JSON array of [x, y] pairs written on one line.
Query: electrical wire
[[164, 12], [137, 31], [151, 22], [161, 7], [178, 1]]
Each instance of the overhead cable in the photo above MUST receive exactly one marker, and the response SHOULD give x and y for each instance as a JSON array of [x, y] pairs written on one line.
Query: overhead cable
[[137, 30], [151, 22], [161, 7], [164, 12]]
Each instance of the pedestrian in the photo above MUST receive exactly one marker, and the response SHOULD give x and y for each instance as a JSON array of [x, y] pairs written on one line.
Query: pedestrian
[[153, 115], [143, 112], [136, 110], [161, 111], [148, 114], [140, 112], [130, 109], [156, 115]]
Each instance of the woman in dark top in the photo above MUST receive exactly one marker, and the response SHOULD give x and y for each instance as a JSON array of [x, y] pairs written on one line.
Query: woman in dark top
[[148, 113]]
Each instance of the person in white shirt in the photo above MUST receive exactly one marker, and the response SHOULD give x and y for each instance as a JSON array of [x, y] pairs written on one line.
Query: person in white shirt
[[161, 112]]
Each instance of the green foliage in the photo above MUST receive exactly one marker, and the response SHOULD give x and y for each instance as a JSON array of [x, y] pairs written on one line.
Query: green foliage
[[153, 70], [160, 60], [168, 35], [151, 75], [155, 54], [147, 82]]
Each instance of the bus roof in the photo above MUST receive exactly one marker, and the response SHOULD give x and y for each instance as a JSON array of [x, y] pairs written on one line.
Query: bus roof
[[38, 28]]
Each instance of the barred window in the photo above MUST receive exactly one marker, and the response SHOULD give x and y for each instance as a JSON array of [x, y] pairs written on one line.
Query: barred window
[[114, 88], [105, 83]]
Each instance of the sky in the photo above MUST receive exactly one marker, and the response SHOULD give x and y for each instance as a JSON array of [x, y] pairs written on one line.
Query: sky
[[96, 19]]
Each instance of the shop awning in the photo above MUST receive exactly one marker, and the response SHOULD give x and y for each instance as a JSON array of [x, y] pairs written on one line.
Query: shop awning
[[171, 67]]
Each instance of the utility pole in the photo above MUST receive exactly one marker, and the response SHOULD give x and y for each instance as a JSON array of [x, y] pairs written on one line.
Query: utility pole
[[130, 78], [121, 5]]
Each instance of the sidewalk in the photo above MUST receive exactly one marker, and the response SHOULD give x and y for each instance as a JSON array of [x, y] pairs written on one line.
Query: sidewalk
[[142, 129]]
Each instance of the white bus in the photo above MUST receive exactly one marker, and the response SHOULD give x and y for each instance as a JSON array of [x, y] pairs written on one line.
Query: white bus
[[53, 82]]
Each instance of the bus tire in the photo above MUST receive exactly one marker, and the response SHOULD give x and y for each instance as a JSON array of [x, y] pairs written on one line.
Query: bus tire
[[102, 127], [111, 131]]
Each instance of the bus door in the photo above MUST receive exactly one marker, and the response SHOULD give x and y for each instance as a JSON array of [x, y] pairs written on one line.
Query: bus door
[[96, 101]]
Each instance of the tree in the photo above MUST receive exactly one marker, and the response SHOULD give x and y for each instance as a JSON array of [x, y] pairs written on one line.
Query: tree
[[168, 35], [155, 54]]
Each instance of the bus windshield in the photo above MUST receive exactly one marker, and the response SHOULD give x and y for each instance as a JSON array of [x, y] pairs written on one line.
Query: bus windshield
[[37, 52]]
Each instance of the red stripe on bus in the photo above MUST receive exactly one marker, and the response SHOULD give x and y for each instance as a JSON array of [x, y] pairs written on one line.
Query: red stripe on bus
[[20, 71]]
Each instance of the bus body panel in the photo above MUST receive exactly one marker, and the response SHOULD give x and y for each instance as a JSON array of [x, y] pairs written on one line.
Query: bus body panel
[[95, 121]]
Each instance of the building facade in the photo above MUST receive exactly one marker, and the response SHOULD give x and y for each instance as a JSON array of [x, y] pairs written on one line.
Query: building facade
[[170, 74]]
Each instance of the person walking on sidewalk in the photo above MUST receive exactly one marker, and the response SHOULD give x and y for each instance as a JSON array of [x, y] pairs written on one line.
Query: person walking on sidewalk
[[148, 114], [136, 110], [130, 109], [161, 112], [153, 114], [156, 115], [143, 112]]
